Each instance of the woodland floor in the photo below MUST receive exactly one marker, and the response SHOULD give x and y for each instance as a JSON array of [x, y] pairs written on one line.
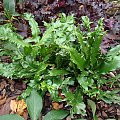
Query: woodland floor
[[44, 10]]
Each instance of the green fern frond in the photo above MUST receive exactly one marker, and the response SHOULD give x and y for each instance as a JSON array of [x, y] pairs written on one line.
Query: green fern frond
[[6, 33], [6, 70], [33, 24]]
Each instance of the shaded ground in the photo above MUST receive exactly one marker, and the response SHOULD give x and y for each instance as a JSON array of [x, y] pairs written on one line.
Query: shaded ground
[[46, 10]]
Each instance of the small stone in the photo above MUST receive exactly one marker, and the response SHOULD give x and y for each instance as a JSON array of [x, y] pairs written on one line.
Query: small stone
[[111, 74]]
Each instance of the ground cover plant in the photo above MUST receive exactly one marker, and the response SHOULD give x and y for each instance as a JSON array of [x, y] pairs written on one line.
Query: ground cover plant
[[66, 56]]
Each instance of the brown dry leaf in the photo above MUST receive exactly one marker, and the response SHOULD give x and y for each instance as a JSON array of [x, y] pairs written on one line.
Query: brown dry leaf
[[61, 106], [12, 88], [3, 92], [25, 114], [55, 105], [1, 97], [11, 81], [5, 109], [2, 101], [21, 106], [3, 84], [13, 105], [18, 106], [104, 114]]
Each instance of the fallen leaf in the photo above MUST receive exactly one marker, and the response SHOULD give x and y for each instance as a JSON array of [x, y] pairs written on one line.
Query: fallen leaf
[[11, 81], [55, 105], [3, 84], [25, 114], [12, 88], [104, 114], [61, 106], [5, 108], [3, 92], [2, 101], [13, 105], [21, 106], [18, 106], [1, 97]]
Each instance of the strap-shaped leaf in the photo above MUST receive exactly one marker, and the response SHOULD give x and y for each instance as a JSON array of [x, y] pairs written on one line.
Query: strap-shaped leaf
[[11, 117], [92, 106], [95, 50], [113, 57], [76, 57], [9, 5], [111, 65], [6, 33], [56, 115], [33, 24], [114, 51], [34, 105], [56, 72]]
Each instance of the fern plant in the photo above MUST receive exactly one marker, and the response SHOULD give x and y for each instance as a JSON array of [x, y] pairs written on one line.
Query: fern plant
[[63, 57], [9, 9]]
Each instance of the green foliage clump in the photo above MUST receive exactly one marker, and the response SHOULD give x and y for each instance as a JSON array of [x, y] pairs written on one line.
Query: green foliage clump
[[63, 57]]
